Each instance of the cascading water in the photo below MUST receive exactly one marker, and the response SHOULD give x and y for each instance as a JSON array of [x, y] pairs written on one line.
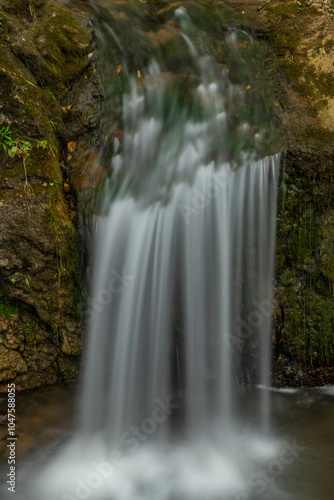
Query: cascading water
[[180, 312]]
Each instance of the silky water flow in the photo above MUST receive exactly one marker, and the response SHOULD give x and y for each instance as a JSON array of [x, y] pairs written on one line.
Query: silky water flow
[[180, 306]]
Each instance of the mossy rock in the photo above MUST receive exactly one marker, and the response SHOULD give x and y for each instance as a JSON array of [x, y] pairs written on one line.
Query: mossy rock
[[40, 268], [52, 44]]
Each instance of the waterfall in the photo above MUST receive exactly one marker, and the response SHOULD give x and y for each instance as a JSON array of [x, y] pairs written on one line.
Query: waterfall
[[180, 307]]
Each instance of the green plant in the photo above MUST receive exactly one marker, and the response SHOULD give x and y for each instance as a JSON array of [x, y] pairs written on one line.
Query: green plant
[[32, 10], [52, 183], [19, 148], [13, 280], [62, 272], [26, 278], [6, 308], [52, 93], [16, 148], [22, 150], [6, 139], [53, 124], [46, 145]]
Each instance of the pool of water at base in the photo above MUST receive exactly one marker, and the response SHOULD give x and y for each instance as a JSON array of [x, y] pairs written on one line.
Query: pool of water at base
[[302, 420]]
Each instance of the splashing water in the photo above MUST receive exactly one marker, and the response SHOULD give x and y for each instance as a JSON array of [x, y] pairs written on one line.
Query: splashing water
[[181, 315]]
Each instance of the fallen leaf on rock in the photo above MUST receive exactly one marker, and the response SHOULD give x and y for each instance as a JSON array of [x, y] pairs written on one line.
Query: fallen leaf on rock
[[71, 146]]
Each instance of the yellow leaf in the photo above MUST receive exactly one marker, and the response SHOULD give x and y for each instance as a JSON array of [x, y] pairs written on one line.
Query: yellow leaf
[[242, 12], [106, 138], [248, 87], [70, 106], [69, 158], [139, 73], [63, 110], [119, 68], [142, 1], [71, 146]]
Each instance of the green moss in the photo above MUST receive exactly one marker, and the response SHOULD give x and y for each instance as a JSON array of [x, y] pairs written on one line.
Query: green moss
[[317, 137], [319, 339], [68, 367], [64, 47], [6, 308], [45, 163], [41, 163], [66, 248], [14, 76], [305, 250], [308, 322], [327, 249], [29, 336], [26, 9]]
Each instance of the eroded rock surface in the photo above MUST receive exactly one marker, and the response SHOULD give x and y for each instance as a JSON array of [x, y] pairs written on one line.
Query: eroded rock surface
[[301, 34], [50, 96]]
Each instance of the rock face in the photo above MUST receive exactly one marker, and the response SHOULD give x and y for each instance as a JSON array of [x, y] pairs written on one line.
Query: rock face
[[50, 97], [301, 37]]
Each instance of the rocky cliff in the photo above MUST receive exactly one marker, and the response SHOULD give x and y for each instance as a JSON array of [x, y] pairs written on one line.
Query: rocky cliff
[[50, 98]]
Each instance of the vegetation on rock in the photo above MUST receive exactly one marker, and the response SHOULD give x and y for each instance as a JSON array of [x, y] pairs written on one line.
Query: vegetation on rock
[[44, 50], [301, 35]]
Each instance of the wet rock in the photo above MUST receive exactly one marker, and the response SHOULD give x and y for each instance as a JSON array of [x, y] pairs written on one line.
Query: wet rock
[[303, 50], [11, 363], [43, 60]]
